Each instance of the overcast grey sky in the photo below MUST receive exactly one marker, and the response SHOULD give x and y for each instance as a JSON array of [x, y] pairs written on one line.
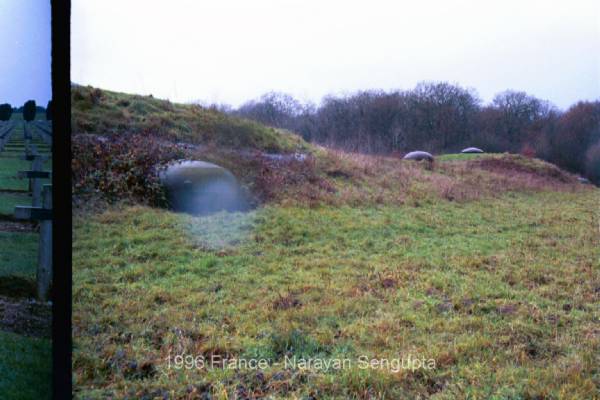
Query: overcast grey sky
[[25, 43], [233, 50]]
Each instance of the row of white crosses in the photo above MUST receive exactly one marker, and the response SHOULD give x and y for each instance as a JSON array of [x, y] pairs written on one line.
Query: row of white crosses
[[36, 174], [44, 129], [40, 210], [6, 129]]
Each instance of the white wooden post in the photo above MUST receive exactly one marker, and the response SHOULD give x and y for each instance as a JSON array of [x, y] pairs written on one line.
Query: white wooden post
[[44, 272], [44, 215], [36, 184], [35, 177], [26, 136]]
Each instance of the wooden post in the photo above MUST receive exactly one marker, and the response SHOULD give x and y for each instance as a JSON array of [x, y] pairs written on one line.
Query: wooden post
[[36, 184], [44, 272], [44, 131], [44, 215], [35, 194], [32, 150], [35, 177], [26, 137]]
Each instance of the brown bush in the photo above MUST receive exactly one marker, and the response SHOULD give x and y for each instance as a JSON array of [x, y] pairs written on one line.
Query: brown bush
[[117, 168], [592, 163], [528, 151], [274, 179]]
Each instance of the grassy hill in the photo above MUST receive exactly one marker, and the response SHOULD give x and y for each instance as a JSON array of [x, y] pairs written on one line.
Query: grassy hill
[[488, 265], [111, 113]]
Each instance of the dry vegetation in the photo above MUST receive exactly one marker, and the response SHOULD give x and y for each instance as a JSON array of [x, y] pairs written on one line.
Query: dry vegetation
[[97, 111], [487, 264], [117, 168]]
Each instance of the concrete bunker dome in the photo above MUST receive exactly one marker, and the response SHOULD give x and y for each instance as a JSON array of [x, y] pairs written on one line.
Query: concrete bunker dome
[[418, 156], [200, 187], [472, 150]]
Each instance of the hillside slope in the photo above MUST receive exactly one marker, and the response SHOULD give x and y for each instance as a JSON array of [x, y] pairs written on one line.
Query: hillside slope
[[105, 112], [119, 139], [488, 265]]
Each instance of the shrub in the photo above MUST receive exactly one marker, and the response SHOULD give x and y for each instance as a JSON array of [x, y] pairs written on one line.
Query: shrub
[[5, 111], [29, 110], [592, 163], [528, 151], [275, 180], [121, 168], [49, 110], [96, 96]]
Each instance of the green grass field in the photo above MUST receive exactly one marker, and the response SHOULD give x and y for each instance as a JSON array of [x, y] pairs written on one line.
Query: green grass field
[[25, 365], [10, 162], [18, 251], [9, 200], [25, 362], [18, 116], [487, 265], [8, 178], [502, 294], [461, 157], [8, 173], [18, 254]]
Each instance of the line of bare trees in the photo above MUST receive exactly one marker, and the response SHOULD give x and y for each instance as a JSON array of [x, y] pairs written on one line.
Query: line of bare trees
[[440, 117]]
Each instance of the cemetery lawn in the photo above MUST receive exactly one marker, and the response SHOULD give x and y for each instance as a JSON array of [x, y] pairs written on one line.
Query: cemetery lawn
[[25, 361], [9, 167], [9, 200], [18, 254], [502, 293], [9, 181], [25, 365]]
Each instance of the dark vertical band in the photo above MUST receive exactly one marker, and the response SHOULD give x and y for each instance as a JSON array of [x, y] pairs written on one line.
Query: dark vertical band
[[61, 181]]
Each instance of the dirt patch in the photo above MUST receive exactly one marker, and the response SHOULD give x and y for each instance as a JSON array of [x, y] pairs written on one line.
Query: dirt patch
[[17, 287], [12, 226], [338, 173], [14, 191], [389, 283], [26, 317], [286, 302]]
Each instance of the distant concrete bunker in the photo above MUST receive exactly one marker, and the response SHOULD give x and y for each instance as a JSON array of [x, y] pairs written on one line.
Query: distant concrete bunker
[[472, 150], [418, 156], [200, 188]]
